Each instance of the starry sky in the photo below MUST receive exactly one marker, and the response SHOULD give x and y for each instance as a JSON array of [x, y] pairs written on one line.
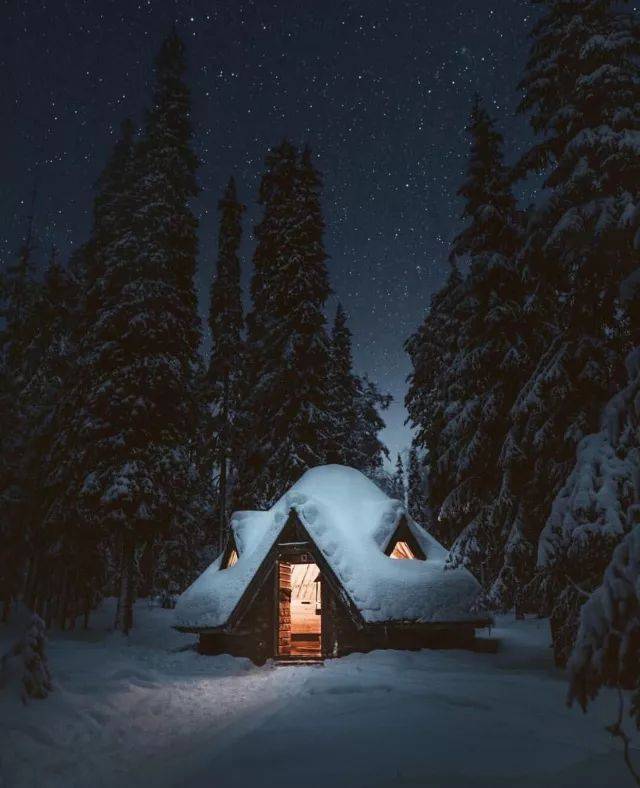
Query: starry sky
[[380, 89]]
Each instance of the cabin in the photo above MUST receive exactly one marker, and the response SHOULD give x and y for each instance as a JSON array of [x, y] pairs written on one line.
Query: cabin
[[335, 566]]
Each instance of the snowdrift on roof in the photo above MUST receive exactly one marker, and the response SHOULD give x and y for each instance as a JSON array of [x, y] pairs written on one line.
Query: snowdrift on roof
[[351, 522]]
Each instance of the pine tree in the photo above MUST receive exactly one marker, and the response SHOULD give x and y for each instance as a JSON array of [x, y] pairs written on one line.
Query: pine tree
[[398, 482], [490, 357], [226, 323], [165, 260], [288, 423], [583, 98], [58, 310], [356, 403], [137, 405], [596, 507], [343, 392], [432, 349], [467, 357], [601, 502], [73, 557], [417, 493], [19, 295], [28, 658], [370, 401]]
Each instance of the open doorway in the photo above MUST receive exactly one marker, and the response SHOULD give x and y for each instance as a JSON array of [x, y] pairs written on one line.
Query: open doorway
[[299, 610]]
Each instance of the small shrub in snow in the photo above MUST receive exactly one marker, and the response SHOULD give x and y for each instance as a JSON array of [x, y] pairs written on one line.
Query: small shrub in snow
[[28, 658]]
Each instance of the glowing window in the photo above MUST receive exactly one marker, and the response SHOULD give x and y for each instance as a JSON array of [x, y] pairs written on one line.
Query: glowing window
[[401, 550], [233, 559]]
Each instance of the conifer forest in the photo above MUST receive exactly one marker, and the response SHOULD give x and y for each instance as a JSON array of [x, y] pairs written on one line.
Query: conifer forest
[[416, 258]]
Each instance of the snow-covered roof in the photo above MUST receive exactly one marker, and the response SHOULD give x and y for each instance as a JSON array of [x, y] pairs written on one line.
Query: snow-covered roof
[[351, 522]]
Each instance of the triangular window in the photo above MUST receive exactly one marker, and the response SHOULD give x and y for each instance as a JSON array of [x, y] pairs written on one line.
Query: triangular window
[[403, 545], [231, 555], [232, 559], [401, 550]]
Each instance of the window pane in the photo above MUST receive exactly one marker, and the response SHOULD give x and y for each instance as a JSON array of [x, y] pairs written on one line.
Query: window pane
[[233, 559], [402, 550]]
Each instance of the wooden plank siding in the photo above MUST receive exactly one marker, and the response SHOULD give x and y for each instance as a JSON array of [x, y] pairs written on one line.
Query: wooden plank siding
[[284, 608]]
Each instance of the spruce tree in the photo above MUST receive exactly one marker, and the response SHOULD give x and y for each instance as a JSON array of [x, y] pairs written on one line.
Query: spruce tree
[[136, 474], [370, 402], [490, 358], [165, 258], [225, 365], [467, 359], [75, 555], [287, 422], [417, 492], [432, 349], [586, 110], [356, 404], [19, 296], [343, 392], [398, 482]]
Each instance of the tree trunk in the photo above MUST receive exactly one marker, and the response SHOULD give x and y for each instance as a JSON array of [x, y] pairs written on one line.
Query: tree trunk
[[31, 582], [64, 601], [124, 611], [147, 569]]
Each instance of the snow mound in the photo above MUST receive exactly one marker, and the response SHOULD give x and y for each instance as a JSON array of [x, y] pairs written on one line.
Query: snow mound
[[351, 522]]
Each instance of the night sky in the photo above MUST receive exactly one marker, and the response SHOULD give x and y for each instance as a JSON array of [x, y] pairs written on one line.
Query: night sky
[[380, 89]]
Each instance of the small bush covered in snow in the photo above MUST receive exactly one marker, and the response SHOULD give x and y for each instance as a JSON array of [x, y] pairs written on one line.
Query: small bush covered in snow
[[27, 662]]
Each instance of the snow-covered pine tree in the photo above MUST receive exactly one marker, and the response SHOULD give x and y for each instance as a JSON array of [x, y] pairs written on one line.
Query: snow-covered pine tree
[[417, 493], [139, 368], [287, 418], [602, 499], [583, 99], [432, 349], [168, 510], [28, 660], [356, 403], [58, 310], [370, 402], [19, 295], [225, 366], [598, 504], [72, 558], [489, 362], [398, 482], [343, 392], [467, 358]]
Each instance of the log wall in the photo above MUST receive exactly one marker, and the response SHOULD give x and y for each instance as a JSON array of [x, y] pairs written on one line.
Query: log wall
[[284, 608], [253, 636]]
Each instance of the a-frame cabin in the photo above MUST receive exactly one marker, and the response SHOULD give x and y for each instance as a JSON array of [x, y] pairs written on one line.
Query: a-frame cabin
[[334, 567]]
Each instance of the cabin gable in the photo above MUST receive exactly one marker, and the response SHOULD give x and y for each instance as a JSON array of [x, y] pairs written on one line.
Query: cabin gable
[[403, 541], [294, 543], [231, 553]]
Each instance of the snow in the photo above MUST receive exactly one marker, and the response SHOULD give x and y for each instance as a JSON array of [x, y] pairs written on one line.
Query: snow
[[607, 645], [351, 522], [150, 711], [597, 495]]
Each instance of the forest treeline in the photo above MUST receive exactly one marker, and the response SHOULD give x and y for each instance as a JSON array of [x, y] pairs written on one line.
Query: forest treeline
[[525, 383], [122, 448]]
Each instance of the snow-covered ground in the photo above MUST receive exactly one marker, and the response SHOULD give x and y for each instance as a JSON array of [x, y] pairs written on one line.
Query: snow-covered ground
[[151, 712]]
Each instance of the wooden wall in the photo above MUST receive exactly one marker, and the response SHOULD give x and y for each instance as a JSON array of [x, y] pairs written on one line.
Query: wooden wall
[[253, 636], [284, 608], [258, 636]]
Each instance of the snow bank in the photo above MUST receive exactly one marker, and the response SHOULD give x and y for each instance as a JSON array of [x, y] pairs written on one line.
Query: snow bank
[[351, 522], [142, 711]]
